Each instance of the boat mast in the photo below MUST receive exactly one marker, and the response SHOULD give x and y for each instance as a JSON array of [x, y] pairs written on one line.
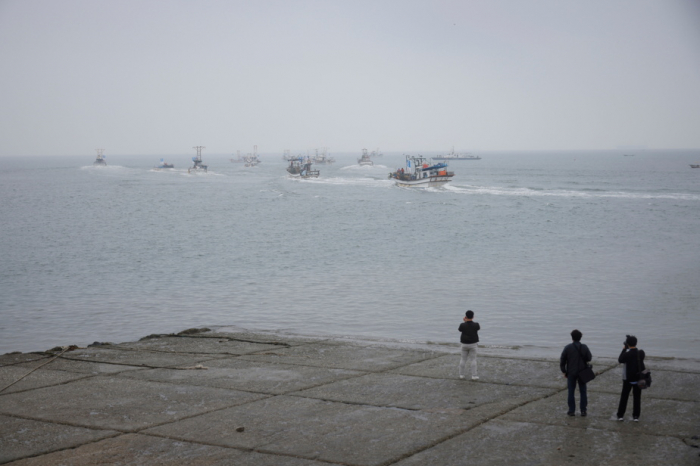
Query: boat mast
[[199, 152]]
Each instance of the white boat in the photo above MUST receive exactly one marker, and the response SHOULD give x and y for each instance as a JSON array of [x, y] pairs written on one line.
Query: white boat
[[365, 159], [422, 172], [455, 156], [100, 160], [301, 167]]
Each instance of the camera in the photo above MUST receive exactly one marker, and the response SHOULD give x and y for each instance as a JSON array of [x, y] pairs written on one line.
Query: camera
[[625, 342]]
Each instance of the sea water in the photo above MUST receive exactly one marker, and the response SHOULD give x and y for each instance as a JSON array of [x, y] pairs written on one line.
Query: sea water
[[537, 244]]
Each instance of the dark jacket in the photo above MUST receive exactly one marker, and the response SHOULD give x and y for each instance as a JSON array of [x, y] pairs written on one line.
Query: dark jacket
[[633, 364], [570, 361], [470, 332]]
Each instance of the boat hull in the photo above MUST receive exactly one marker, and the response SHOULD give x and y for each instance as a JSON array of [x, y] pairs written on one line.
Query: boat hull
[[429, 182]]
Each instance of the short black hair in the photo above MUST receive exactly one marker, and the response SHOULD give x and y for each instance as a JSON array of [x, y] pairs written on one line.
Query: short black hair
[[576, 335], [470, 314], [631, 340]]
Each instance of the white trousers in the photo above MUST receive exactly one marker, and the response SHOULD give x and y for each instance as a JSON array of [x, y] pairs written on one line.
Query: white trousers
[[468, 355]]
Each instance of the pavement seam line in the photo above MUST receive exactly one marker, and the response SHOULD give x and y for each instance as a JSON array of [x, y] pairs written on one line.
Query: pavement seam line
[[463, 431], [242, 449], [66, 382], [38, 455]]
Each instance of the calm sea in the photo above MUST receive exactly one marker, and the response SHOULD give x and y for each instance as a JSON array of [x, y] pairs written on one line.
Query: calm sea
[[537, 244]]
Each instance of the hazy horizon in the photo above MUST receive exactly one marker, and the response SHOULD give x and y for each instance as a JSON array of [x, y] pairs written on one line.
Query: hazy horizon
[[158, 77]]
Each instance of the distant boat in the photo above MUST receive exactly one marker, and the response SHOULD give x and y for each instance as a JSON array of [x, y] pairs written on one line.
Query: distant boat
[[198, 165], [323, 157], [365, 159], [163, 164], [694, 166], [455, 156], [100, 160], [301, 167], [421, 172], [629, 155], [252, 160]]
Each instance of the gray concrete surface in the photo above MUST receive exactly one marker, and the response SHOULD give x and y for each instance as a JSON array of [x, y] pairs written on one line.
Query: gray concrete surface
[[245, 398]]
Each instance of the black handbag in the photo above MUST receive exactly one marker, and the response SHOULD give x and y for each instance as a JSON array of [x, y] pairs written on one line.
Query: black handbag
[[587, 374], [644, 376]]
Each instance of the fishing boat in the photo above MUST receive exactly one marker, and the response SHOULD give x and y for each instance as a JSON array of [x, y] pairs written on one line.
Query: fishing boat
[[422, 172], [100, 160], [301, 167], [252, 160], [198, 165], [694, 166], [365, 159], [163, 164], [323, 157], [455, 156]]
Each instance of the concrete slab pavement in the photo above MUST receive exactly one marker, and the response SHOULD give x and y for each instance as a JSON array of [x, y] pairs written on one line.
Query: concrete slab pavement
[[286, 400]]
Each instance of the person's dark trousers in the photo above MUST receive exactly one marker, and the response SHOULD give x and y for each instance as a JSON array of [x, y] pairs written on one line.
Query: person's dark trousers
[[636, 395], [581, 389]]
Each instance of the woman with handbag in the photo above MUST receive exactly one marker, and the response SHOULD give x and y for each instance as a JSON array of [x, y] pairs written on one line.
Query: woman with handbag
[[633, 360]]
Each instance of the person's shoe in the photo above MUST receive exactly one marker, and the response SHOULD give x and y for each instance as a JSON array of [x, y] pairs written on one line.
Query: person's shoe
[[583, 414], [461, 376], [620, 418], [571, 414], [636, 419], [475, 377]]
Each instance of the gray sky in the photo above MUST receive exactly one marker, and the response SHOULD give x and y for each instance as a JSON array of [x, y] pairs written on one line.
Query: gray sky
[[158, 77]]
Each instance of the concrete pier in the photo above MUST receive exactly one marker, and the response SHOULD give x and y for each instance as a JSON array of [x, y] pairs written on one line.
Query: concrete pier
[[236, 397]]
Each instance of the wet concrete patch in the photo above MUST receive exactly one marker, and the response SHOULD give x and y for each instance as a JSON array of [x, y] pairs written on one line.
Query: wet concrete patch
[[658, 417], [20, 438], [249, 376], [165, 452], [343, 356], [505, 442], [119, 403], [314, 429], [422, 392]]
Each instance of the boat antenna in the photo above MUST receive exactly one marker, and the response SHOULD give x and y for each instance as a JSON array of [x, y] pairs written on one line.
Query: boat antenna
[[199, 152]]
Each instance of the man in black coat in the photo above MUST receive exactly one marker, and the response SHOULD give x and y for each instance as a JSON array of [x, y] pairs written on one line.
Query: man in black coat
[[633, 359], [574, 359]]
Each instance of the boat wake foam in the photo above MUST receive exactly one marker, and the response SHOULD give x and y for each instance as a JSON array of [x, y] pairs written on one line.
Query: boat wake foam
[[584, 193]]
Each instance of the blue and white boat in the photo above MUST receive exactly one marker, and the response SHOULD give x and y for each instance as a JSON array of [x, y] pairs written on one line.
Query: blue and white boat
[[163, 164], [422, 172], [198, 165]]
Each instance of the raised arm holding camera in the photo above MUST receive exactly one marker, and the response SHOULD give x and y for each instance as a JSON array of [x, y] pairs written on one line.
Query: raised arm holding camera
[[633, 360]]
